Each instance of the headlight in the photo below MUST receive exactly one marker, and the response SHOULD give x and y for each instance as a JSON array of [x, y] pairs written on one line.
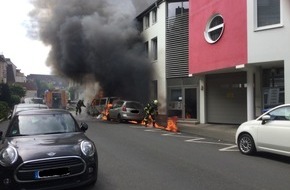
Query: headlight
[[8, 156], [87, 148]]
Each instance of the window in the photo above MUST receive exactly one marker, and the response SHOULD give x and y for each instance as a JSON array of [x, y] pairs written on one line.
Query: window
[[214, 28], [146, 48], [154, 16], [146, 21], [154, 49], [268, 13], [154, 90], [280, 114], [177, 8]]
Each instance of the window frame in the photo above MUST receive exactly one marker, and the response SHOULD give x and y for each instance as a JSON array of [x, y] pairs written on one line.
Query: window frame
[[272, 26], [154, 16], [208, 29], [146, 21], [154, 49]]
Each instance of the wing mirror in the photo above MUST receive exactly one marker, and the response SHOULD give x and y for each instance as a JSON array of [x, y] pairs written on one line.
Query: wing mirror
[[1, 134], [265, 119], [84, 127]]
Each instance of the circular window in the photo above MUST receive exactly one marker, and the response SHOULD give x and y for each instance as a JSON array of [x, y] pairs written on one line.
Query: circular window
[[214, 29]]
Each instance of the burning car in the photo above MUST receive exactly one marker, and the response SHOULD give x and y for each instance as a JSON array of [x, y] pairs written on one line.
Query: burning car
[[101, 105], [46, 149], [124, 110]]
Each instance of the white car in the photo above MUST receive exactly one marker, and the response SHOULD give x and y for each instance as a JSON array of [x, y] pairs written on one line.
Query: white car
[[268, 133]]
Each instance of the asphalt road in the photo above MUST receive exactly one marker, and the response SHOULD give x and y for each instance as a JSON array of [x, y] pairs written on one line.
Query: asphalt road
[[132, 157]]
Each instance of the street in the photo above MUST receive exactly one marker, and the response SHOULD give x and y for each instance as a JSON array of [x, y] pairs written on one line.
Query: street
[[134, 157]]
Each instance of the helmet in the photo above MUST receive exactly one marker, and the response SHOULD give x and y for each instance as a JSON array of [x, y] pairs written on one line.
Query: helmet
[[155, 101]]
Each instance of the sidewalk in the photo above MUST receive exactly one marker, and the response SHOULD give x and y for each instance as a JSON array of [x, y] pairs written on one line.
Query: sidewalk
[[217, 131]]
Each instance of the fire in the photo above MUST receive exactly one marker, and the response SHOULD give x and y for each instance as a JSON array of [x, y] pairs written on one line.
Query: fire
[[105, 112], [171, 124]]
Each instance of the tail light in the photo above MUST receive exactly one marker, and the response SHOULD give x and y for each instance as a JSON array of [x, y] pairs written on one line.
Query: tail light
[[124, 108]]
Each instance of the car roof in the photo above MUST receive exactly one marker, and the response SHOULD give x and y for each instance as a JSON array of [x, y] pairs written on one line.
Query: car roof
[[30, 105], [42, 111]]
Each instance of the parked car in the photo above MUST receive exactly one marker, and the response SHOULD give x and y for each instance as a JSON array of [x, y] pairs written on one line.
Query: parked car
[[100, 105], [46, 149], [24, 106], [269, 133], [33, 100], [124, 110]]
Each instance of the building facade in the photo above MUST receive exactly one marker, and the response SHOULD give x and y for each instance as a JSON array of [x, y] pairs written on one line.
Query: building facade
[[216, 65], [240, 57], [164, 27]]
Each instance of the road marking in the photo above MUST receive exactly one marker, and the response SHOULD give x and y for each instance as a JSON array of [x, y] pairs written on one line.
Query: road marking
[[152, 130], [194, 140], [199, 140], [229, 149], [175, 135], [136, 127]]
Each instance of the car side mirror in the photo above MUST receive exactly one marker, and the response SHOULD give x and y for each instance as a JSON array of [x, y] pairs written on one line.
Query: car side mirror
[[265, 119], [84, 127], [1, 134]]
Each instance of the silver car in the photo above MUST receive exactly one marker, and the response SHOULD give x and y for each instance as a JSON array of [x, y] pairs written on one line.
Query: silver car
[[21, 107], [124, 110]]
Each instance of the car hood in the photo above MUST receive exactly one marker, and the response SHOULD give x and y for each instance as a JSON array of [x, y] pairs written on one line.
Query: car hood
[[47, 146]]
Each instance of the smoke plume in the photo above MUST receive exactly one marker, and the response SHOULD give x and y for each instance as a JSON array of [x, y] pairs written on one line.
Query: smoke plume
[[95, 40]]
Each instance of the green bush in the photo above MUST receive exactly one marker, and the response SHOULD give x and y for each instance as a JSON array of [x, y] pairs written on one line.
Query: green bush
[[4, 110]]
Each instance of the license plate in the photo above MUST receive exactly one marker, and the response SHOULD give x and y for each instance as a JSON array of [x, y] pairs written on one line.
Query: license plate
[[51, 173]]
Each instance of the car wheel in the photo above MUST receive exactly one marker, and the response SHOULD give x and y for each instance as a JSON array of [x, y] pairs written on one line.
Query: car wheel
[[119, 119], [246, 144], [108, 117]]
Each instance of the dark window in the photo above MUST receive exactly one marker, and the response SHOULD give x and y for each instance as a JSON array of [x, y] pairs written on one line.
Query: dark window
[[268, 12]]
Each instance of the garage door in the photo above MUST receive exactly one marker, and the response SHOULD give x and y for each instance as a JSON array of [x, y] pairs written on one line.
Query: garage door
[[226, 96]]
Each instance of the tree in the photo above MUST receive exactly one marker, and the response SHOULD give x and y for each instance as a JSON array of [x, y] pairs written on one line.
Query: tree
[[17, 90], [5, 94]]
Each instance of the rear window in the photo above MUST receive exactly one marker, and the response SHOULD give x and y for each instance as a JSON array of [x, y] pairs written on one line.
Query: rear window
[[103, 102], [42, 124], [134, 105]]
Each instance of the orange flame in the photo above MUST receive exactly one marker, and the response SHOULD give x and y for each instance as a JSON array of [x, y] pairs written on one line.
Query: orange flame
[[171, 125], [105, 112]]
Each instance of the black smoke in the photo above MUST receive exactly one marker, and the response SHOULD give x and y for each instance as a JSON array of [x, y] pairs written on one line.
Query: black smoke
[[95, 38]]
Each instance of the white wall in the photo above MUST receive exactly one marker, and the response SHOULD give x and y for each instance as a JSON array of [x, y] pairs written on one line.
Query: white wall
[[271, 44], [158, 30]]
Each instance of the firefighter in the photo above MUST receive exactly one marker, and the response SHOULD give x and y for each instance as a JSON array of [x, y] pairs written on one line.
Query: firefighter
[[80, 104], [151, 110]]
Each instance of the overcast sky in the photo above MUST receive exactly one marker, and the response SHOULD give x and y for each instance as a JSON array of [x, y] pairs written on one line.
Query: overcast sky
[[27, 54]]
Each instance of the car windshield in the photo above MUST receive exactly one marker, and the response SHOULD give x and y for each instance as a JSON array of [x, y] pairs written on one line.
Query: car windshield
[[42, 124]]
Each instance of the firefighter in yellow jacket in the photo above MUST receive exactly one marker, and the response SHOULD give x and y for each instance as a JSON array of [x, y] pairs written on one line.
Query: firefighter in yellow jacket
[[151, 110]]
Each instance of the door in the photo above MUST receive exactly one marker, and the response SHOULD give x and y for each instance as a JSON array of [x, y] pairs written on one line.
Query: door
[[190, 105], [275, 133], [175, 103]]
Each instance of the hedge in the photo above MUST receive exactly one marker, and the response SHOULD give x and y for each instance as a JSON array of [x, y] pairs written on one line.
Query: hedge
[[4, 110]]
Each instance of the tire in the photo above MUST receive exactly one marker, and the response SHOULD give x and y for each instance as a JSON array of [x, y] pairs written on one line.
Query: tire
[[108, 117], [119, 119], [246, 144]]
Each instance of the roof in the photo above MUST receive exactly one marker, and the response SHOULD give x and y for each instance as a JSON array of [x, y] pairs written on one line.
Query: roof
[[43, 111], [31, 105]]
